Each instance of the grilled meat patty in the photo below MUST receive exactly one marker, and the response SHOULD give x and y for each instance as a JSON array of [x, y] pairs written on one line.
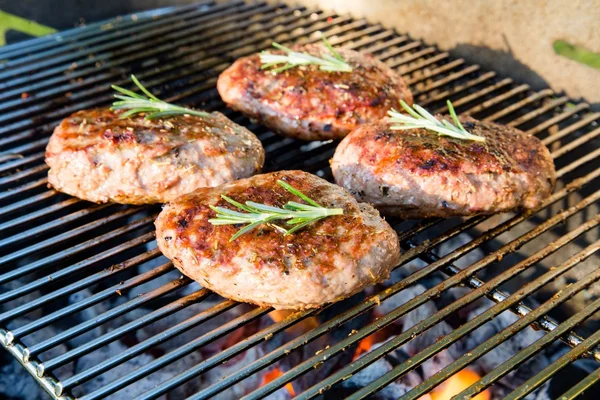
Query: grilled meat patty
[[418, 174], [306, 103], [326, 261], [96, 156]]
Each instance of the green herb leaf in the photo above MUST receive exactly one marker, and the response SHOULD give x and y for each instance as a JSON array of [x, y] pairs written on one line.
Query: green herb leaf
[[297, 214], [151, 105], [293, 58], [418, 117]]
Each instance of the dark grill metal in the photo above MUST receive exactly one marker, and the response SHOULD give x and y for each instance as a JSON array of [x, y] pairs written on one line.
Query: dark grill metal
[[54, 246]]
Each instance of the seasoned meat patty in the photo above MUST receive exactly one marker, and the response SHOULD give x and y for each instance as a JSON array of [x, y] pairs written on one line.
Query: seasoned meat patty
[[326, 261], [418, 174], [96, 156], [306, 103]]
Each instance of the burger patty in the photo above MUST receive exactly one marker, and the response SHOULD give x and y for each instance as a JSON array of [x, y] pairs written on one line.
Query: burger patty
[[96, 156], [418, 174], [306, 103], [326, 261]]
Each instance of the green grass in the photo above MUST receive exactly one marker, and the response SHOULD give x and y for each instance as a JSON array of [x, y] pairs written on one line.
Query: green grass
[[10, 21], [577, 53]]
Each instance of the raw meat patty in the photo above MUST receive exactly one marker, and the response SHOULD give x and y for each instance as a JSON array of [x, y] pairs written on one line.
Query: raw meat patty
[[307, 103], [326, 261], [96, 156], [418, 174]]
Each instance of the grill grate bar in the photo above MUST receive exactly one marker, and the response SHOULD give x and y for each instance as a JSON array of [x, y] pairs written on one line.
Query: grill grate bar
[[536, 113], [29, 186], [458, 88], [496, 100], [19, 205], [571, 128], [569, 112], [531, 350], [576, 143], [519, 105], [20, 162]]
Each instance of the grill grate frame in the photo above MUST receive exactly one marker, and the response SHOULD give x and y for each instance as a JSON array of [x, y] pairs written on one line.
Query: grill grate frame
[[178, 53]]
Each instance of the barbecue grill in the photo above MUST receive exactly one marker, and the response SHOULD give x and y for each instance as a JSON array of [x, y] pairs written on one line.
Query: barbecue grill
[[61, 256]]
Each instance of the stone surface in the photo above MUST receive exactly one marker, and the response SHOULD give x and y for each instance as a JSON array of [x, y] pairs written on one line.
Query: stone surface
[[509, 36]]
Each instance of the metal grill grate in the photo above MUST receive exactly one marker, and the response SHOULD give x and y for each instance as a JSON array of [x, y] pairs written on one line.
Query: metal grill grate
[[54, 247]]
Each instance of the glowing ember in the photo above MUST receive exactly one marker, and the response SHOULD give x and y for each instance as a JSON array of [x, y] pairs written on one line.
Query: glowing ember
[[456, 384], [364, 346], [274, 374]]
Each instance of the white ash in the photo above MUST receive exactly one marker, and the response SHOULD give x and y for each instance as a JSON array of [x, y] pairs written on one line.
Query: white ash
[[15, 381], [414, 317]]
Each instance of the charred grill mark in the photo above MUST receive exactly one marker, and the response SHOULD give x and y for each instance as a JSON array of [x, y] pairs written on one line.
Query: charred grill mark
[[119, 137]]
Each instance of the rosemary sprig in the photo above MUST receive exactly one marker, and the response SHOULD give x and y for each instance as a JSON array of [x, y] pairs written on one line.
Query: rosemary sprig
[[298, 215], [420, 118], [151, 105], [331, 63]]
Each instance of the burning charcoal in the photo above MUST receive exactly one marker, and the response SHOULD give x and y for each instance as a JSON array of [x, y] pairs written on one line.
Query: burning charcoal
[[433, 365], [246, 386], [507, 349], [414, 317], [367, 375]]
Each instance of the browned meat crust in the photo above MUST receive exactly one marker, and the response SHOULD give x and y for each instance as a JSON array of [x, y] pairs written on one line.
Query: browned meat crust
[[418, 174], [327, 261], [307, 103], [96, 156]]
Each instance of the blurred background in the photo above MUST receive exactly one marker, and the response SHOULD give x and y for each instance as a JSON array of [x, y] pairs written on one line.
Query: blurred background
[[545, 43]]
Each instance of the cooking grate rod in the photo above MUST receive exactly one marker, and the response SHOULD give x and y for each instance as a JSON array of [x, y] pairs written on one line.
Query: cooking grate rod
[[182, 66]]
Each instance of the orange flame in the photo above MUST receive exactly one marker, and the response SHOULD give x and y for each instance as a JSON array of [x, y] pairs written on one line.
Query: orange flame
[[456, 384], [274, 374]]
